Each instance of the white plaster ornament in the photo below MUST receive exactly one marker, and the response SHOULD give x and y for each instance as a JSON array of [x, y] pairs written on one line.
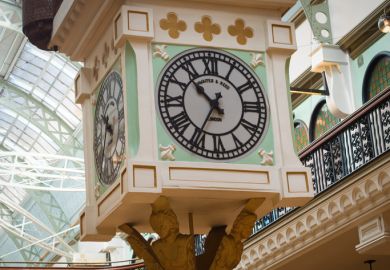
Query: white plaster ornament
[[97, 190], [267, 158], [159, 51], [166, 152], [257, 60]]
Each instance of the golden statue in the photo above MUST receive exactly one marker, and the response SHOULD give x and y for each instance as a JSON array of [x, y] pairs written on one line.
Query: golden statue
[[231, 247], [175, 251]]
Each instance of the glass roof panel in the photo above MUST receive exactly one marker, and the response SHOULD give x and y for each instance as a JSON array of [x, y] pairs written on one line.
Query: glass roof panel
[[48, 77]]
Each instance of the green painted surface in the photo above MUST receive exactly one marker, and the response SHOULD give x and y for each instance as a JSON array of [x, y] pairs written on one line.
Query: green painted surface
[[182, 155], [305, 109], [357, 73], [132, 101]]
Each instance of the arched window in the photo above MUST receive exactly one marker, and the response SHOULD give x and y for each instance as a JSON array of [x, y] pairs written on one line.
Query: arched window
[[377, 76], [301, 134], [321, 120]]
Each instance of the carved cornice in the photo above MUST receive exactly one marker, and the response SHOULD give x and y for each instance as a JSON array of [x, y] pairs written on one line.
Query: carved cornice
[[358, 197], [364, 34]]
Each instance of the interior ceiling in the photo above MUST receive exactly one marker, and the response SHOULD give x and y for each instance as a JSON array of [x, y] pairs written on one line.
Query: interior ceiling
[[37, 109]]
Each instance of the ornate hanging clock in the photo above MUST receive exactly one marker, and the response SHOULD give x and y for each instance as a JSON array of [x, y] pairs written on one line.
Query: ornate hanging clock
[[109, 129], [212, 104]]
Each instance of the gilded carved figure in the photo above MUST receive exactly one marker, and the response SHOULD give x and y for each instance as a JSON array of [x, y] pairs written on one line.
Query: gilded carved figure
[[231, 247], [174, 250]]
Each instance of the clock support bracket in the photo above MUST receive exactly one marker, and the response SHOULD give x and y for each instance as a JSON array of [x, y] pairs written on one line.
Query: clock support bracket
[[222, 250]]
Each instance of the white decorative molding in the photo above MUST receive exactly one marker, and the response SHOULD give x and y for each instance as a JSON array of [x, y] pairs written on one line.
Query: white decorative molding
[[166, 152], [257, 60], [267, 158], [159, 51], [98, 188], [330, 214], [374, 237]]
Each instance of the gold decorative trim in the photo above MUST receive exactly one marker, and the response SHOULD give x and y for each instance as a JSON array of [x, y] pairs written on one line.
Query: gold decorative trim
[[96, 68], [241, 31], [113, 47], [173, 25], [207, 27], [138, 12], [297, 173], [145, 167]]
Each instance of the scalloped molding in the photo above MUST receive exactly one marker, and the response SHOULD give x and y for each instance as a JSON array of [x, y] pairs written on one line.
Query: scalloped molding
[[364, 194]]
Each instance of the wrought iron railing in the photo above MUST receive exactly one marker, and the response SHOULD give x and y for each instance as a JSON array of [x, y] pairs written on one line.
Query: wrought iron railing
[[351, 144], [133, 264]]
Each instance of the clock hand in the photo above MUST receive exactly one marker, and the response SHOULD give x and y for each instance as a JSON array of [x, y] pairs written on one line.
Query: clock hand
[[104, 147], [201, 91], [214, 104]]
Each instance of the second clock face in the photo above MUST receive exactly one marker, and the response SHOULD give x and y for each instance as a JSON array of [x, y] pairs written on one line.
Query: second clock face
[[212, 103]]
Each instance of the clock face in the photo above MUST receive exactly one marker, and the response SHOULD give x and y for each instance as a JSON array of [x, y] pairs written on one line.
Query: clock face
[[109, 129], [212, 103]]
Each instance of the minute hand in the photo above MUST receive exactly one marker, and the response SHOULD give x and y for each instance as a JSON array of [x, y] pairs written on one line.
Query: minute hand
[[214, 104]]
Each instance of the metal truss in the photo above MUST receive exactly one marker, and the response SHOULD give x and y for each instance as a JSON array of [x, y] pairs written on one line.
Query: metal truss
[[29, 228], [42, 172], [60, 173], [10, 15], [39, 115]]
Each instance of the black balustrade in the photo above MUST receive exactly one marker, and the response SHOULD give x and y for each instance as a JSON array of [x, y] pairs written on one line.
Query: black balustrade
[[353, 143]]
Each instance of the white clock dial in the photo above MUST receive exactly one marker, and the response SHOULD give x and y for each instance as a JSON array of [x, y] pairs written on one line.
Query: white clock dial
[[109, 129], [212, 103]]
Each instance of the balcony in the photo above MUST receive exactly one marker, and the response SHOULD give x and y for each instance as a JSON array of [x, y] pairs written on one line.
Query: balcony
[[350, 172], [354, 143]]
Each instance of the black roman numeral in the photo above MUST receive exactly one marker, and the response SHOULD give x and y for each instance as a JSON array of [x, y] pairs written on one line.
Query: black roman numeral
[[241, 89], [229, 72], [251, 128], [218, 144], [192, 73], [250, 106], [182, 85], [180, 122], [198, 138], [236, 141], [174, 101], [210, 66]]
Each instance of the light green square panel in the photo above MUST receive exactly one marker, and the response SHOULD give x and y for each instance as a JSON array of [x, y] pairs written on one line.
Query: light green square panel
[[212, 104]]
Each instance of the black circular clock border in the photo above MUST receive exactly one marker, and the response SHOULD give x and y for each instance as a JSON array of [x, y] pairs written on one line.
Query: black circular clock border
[[256, 130], [110, 177]]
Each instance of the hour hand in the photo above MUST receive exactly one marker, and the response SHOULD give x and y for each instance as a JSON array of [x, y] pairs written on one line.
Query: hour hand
[[201, 91]]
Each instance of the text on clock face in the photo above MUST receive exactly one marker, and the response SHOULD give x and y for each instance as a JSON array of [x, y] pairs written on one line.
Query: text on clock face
[[212, 104]]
